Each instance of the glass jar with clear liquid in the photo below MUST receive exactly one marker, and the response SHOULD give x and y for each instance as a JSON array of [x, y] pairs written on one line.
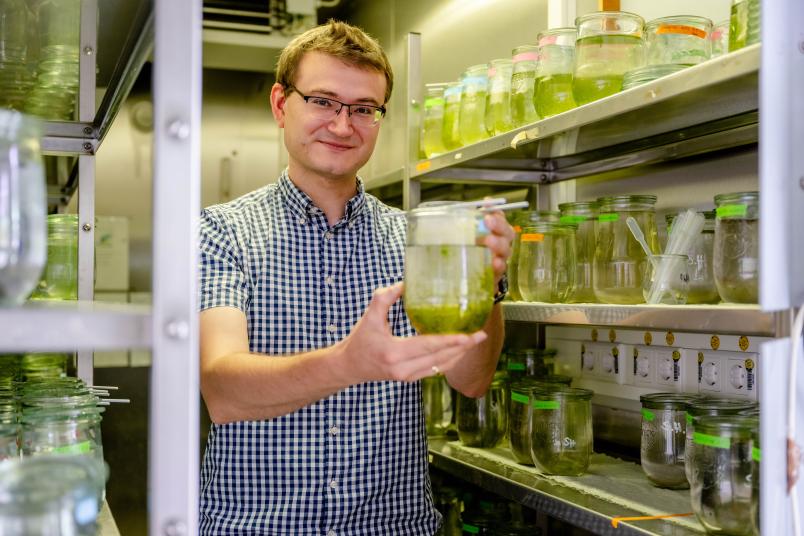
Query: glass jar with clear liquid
[[720, 38], [553, 91], [523, 85], [437, 404], [702, 287], [610, 43], [736, 247], [744, 24], [619, 263], [582, 215], [520, 219], [663, 442], [722, 491], [561, 430], [547, 262], [682, 40], [482, 422], [432, 137], [498, 108], [472, 122], [519, 418], [23, 212], [449, 280], [450, 129]]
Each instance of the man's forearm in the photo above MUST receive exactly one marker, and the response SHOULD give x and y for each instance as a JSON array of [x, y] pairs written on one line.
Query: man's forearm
[[475, 372]]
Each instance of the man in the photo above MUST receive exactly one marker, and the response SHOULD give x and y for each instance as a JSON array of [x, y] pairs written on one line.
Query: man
[[309, 366]]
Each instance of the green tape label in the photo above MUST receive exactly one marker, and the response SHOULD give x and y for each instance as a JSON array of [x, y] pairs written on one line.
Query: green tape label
[[711, 441], [516, 397], [471, 529], [688, 417], [431, 103], [608, 217], [79, 448], [731, 211], [648, 415], [756, 454], [573, 219], [516, 366], [546, 404]]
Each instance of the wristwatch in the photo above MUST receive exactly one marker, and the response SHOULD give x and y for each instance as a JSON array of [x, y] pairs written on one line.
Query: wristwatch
[[502, 289]]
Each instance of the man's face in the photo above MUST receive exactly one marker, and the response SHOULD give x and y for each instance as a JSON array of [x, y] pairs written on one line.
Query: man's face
[[334, 148]]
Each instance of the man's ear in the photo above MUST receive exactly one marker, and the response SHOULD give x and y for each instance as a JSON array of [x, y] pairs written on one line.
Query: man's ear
[[278, 101]]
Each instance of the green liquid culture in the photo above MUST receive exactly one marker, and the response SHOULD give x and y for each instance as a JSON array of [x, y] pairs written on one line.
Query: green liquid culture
[[554, 94], [472, 124], [523, 112], [738, 25], [450, 133], [499, 114], [601, 62], [432, 138]]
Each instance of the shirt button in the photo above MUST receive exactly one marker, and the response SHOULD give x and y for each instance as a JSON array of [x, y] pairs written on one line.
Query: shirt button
[[328, 235], [331, 328], [302, 221], [333, 483], [333, 430], [351, 223], [328, 280], [331, 533]]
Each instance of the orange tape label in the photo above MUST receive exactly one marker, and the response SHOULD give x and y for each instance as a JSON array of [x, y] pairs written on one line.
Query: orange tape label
[[423, 166], [532, 237], [681, 29]]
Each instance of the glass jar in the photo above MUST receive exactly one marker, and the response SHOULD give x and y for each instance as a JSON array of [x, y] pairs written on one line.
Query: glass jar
[[720, 38], [60, 277], [721, 489], [666, 280], [702, 287], [498, 110], [519, 415], [643, 75], [709, 407], [450, 132], [53, 432], [15, 77], [530, 363], [472, 122], [546, 264], [9, 448], [449, 280], [682, 40], [36, 366], [553, 91], [552, 380], [523, 84], [664, 433], [22, 207], [520, 219], [432, 135], [437, 404], [754, 23], [738, 25], [583, 215], [561, 430], [482, 422], [619, 264], [736, 248], [609, 45]]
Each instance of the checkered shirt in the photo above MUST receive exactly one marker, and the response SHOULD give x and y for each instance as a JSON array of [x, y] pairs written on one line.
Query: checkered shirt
[[354, 463]]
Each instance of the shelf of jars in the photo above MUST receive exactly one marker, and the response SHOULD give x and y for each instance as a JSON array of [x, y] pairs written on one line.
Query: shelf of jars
[[598, 501], [51, 325], [704, 108], [720, 318]]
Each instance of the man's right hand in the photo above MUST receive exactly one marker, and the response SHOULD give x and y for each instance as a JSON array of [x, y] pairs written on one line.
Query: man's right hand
[[372, 353]]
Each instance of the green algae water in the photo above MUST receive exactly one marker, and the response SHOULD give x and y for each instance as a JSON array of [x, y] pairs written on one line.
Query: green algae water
[[600, 63], [553, 94]]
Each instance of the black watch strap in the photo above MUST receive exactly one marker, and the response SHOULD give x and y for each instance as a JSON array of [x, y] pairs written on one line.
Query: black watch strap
[[502, 289]]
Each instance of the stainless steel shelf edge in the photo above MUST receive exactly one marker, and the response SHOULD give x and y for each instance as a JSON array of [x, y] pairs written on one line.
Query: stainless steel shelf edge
[[723, 318], [681, 100], [610, 489], [46, 326]]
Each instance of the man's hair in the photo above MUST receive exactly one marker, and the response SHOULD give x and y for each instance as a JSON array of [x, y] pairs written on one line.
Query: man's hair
[[348, 43]]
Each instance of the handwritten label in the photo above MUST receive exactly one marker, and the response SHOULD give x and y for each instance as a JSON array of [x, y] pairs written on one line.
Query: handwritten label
[[680, 29], [608, 217], [516, 397]]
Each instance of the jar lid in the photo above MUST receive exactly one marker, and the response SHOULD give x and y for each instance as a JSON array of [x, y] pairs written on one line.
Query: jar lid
[[667, 400], [718, 406], [625, 201], [578, 206], [721, 199], [681, 21]]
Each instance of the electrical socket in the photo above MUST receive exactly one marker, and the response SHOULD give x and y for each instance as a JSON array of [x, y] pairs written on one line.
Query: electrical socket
[[741, 375], [669, 368], [643, 367], [710, 372], [589, 358], [611, 363]]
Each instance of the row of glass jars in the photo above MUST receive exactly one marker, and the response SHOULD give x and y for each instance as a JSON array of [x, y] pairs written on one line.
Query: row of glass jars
[[586, 253], [604, 52], [710, 445]]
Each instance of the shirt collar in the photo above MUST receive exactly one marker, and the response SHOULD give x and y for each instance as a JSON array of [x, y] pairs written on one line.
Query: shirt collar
[[301, 204]]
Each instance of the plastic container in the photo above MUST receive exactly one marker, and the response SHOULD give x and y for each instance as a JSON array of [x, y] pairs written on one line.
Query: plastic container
[[482, 422], [643, 75], [22, 207], [553, 92], [546, 264], [561, 430], [619, 264], [60, 277], [498, 109], [609, 45], [700, 256], [681, 39], [666, 280], [720, 38], [523, 85], [664, 434], [437, 405], [583, 215], [472, 123], [520, 219], [721, 489], [451, 134], [449, 281], [432, 139], [736, 247]]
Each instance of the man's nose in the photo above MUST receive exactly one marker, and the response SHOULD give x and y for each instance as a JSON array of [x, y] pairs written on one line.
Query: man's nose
[[341, 124]]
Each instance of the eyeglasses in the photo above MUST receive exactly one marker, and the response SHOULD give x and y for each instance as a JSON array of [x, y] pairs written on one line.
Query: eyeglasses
[[327, 109]]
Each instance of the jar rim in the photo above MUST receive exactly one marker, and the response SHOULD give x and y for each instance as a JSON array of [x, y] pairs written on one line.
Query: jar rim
[[663, 400], [715, 406], [578, 205], [626, 199], [600, 14], [736, 196], [727, 423], [561, 391], [695, 19], [547, 227]]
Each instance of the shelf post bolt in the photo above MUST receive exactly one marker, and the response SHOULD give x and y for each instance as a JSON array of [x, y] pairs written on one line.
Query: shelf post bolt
[[179, 129], [177, 329], [88, 51], [86, 227], [87, 147], [801, 183], [174, 527]]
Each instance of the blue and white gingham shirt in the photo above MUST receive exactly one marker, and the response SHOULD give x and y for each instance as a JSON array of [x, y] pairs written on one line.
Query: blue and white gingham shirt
[[354, 463]]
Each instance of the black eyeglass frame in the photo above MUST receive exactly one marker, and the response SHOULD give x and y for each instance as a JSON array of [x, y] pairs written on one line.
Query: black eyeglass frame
[[381, 109]]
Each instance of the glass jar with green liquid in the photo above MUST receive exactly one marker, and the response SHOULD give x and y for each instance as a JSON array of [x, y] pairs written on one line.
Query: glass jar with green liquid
[[523, 82], [609, 45], [60, 277], [472, 123], [498, 108], [553, 93], [432, 142], [450, 131]]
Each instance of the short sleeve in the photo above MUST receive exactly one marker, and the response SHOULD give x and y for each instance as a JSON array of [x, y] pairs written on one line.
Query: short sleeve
[[223, 281]]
